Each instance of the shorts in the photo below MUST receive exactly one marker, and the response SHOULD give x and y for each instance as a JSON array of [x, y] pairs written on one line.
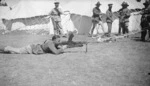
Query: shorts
[[23, 50], [96, 20]]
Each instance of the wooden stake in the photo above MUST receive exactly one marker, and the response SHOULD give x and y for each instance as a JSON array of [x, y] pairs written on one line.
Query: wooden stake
[[86, 48]]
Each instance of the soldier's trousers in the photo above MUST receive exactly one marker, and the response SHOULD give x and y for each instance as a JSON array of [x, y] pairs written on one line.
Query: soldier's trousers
[[109, 24], [144, 33], [123, 26], [94, 25], [145, 27], [58, 27]]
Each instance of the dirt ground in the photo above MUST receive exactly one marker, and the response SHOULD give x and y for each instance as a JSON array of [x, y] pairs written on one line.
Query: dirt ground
[[125, 62]]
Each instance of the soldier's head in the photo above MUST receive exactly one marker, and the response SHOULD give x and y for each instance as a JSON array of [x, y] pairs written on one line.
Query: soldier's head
[[148, 1], [146, 4], [98, 4], [56, 4], [56, 39], [110, 6], [124, 4]]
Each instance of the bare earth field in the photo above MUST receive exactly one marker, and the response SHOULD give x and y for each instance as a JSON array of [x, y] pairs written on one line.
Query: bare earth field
[[125, 62]]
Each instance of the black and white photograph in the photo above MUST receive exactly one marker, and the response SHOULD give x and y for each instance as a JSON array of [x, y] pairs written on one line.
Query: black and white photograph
[[74, 42]]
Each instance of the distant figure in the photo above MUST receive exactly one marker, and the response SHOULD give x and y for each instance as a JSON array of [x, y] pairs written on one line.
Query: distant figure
[[124, 15], [109, 18], [54, 46], [145, 21], [96, 18], [56, 19]]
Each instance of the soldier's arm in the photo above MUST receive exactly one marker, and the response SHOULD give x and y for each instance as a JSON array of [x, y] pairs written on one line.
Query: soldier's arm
[[108, 16], [128, 13], [95, 11], [54, 49], [60, 11], [147, 10], [119, 12]]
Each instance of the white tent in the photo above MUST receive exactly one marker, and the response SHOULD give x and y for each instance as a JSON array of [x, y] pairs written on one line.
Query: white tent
[[27, 8], [30, 8]]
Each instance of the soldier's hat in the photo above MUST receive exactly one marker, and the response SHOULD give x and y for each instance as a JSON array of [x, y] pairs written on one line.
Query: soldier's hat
[[125, 4], [56, 2], [110, 4], [98, 3]]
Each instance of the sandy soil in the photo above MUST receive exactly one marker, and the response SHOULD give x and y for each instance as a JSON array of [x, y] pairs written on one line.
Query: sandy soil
[[122, 63]]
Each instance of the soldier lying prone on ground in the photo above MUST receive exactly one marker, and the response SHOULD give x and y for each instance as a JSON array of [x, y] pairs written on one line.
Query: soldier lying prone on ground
[[53, 46]]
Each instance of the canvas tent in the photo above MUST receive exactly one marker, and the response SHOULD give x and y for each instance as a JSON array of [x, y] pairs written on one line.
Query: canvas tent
[[31, 14], [81, 12]]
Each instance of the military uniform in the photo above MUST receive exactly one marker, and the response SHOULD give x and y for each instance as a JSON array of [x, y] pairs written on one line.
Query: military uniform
[[145, 21], [56, 19], [124, 19], [49, 46], [96, 15], [96, 18], [109, 19]]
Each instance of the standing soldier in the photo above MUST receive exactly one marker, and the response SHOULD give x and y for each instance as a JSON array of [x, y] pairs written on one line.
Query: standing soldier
[[56, 19], [145, 21], [96, 18], [109, 18], [124, 15]]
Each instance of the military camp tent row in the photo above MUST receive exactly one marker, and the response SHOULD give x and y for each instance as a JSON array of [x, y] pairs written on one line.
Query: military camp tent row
[[31, 14]]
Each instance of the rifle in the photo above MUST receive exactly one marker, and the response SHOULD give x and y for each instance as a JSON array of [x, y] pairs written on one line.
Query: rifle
[[117, 13], [75, 44]]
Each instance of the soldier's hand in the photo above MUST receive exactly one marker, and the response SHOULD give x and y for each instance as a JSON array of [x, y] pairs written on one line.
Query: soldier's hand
[[64, 46], [141, 12], [145, 16]]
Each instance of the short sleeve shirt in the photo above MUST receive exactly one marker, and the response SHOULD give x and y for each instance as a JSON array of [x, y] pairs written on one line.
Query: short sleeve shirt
[[55, 13]]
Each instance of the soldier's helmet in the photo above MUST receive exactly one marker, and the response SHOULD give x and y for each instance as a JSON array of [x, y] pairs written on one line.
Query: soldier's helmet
[[125, 4], [98, 3], [56, 2], [110, 4]]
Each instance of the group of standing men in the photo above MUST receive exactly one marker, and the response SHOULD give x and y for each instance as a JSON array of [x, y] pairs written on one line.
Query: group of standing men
[[124, 15]]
